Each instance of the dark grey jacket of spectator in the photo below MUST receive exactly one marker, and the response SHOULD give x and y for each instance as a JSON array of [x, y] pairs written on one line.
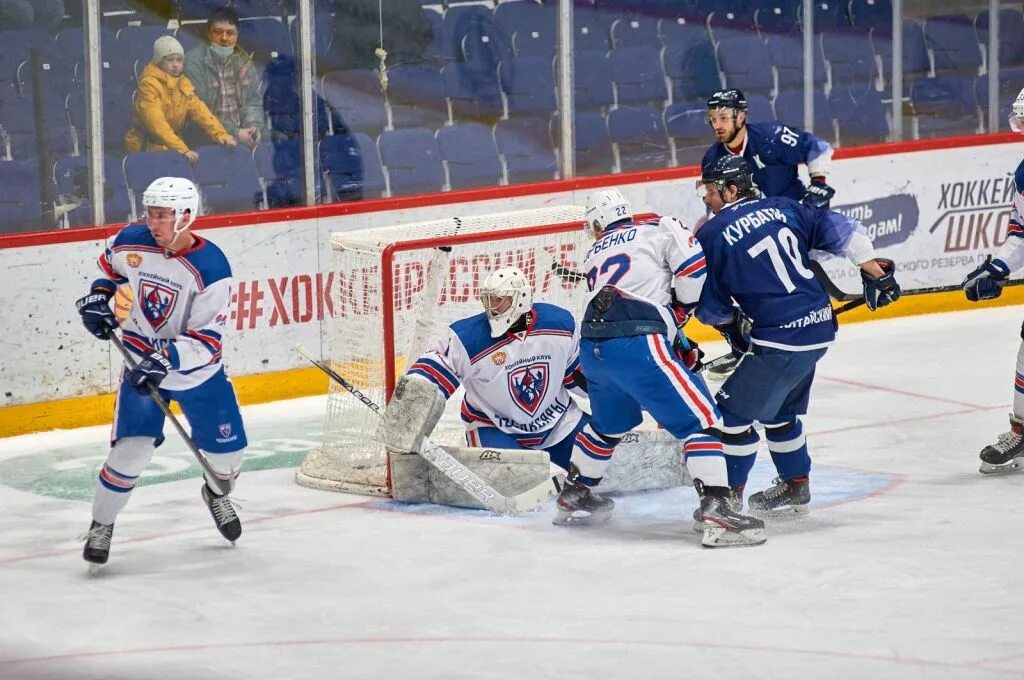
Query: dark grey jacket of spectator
[[356, 30], [202, 71]]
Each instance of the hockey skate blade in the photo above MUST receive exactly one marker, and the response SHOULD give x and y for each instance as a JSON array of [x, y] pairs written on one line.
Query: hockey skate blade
[[577, 518], [1015, 465], [95, 569], [719, 537], [787, 512]]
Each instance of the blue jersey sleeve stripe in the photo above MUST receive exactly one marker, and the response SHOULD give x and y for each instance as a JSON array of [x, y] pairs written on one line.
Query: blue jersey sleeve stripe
[[441, 369]]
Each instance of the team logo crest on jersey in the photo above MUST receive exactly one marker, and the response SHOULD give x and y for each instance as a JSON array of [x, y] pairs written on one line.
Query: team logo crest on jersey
[[157, 303], [134, 260], [225, 430], [498, 358], [528, 385]]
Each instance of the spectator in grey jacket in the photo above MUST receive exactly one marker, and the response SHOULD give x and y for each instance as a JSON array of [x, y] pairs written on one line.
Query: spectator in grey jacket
[[226, 79]]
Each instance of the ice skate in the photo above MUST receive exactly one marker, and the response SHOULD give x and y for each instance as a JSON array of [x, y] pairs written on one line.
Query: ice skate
[[725, 527], [223, 511], [784, 497], [1007, 454], [97, 545], [735, 503], [578, 505]]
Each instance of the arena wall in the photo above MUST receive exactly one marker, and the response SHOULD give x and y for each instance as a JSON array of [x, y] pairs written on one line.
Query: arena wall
[[936, 208]]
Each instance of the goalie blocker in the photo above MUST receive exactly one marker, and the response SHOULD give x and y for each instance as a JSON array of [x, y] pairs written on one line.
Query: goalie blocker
[[644, 460]]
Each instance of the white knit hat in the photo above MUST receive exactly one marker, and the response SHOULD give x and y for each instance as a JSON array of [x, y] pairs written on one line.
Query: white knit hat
[[165, 46]]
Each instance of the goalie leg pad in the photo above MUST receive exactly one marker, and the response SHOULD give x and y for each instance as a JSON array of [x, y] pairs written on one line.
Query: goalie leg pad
[[508, 471], [646, 460], [411, 415]]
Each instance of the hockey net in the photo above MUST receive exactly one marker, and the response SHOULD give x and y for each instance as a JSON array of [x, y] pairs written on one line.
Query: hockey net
[[395, 290]]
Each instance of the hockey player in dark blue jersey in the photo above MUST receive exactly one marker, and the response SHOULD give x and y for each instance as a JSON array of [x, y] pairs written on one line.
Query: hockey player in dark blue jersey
[[773, 151], [757, 259]]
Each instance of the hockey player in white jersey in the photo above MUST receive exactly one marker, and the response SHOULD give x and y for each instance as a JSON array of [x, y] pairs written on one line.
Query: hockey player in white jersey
[[635, 273], [182, 285], [986, 283], [517, 361]]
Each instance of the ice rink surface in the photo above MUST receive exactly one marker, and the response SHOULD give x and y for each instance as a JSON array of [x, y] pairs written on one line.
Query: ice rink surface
[[908, 566]]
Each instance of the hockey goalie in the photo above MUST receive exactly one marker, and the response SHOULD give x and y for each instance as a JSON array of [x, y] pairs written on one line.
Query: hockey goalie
[[518, 365]]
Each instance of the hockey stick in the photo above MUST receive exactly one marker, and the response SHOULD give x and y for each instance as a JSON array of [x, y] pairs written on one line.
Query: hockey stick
[[211, 474], [463, 477]]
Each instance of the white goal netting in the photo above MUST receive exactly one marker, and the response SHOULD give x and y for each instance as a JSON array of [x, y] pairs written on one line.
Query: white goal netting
[[395, 291]]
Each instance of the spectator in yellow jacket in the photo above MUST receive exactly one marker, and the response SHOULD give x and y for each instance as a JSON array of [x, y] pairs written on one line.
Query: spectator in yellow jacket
[[166, 99]]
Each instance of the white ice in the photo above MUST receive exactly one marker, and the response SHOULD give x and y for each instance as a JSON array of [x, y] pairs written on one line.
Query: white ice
[[908, 566]]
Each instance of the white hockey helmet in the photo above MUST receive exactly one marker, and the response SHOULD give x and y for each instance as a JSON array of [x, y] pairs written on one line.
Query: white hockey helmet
[[506, 295], [605, 207], [176, 193], [1017, 113]]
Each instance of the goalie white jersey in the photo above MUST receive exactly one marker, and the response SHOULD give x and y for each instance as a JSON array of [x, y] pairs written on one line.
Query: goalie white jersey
[[180, 304], [646, 262], [518, 383]]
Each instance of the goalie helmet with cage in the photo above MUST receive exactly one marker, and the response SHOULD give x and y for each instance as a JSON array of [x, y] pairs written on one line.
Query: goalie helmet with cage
[[506, 294], [605, 208], [728, 170], [176, 193]]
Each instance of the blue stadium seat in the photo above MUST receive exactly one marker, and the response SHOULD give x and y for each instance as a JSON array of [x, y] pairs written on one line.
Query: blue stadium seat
[[528, 84], [746, 64], [787, 54], [1010, 80], [196, 9], [140, 169], [594, 155], [725, 24], [829, 14], [916, 64], [789, 108], [473, 91], [227, 179], [592, 83], [323, 35], [265, 37], [440, 50], [259, 8], [17, 49], [640, 137], [357, 97], [954, 45], [535, 43], [681, 30], [373, 172], [525, 144], [850, 57], [279, 167], [635, 31], [71, 176], [470, 155], [779, 17], [341, 160], [26, 134], [20, 208], [692, 70], [944, 106], [416, 96], [759, 108], [637, 75], [136, 42], [488, 44], [591, 29], [868, 14], [1011, 36], [705, 8], [524, 16], [860, 115], [687, 126], [473, 21], [412, 161]]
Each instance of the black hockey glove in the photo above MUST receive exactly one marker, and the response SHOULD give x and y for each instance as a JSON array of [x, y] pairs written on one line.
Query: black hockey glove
[[151, 370], [737, 333], [97, 316], [987, 281], [881, 291], [818, 194]]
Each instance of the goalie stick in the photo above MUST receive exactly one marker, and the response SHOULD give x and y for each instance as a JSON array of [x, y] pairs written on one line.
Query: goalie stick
[[211, 474], [454, 470]]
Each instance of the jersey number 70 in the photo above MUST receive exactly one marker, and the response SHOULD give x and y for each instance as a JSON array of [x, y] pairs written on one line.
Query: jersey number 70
[[791, 247]]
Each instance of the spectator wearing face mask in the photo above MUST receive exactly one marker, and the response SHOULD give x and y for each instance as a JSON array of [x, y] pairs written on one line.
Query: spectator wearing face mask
[[166, 100], [226, 79]]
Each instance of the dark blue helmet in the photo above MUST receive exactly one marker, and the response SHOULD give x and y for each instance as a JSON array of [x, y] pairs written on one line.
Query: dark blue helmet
[[728, 99], [727, 170]]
